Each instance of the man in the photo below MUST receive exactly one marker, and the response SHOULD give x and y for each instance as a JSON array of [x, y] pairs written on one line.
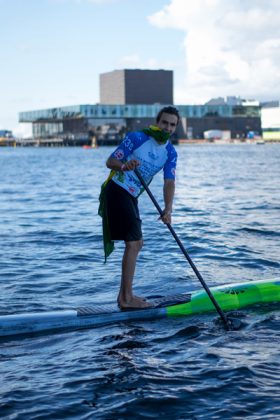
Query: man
[[149, 151]]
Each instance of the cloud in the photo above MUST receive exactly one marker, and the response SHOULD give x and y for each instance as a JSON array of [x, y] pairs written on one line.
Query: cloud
[[231, 48], [135, 61], [128, 61]]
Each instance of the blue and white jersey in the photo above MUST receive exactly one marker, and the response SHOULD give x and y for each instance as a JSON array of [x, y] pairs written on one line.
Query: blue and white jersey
[[152, 157]]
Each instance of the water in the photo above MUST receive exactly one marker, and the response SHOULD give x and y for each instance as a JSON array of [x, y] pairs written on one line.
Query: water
[[226, 212]]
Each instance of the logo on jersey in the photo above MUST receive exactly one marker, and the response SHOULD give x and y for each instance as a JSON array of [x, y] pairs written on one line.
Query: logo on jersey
[[119, 154], [153, 155]]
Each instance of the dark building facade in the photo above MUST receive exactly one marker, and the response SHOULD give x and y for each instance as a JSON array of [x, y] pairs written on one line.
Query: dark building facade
[[136, 87], [238, 126]]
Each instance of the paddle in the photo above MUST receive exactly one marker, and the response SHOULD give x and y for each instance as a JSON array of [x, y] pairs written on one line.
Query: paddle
[[229, 323]]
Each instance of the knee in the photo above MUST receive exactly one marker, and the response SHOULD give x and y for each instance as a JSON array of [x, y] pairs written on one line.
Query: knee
[[140, 245], [134, 246]]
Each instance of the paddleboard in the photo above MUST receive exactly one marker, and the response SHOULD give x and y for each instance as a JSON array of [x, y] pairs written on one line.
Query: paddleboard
[[229, 297]]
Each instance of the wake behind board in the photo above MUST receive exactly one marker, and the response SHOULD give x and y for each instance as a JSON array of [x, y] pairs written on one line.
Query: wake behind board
[[230, 297]]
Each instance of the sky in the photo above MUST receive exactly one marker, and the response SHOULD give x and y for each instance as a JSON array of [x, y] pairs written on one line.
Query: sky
[[53, 51]]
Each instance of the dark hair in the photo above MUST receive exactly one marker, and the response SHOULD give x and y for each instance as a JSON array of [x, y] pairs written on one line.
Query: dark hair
[[168, 110]]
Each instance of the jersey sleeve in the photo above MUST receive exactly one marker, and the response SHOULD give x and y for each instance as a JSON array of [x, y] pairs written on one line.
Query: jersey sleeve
[[126, 147], [169, 169]]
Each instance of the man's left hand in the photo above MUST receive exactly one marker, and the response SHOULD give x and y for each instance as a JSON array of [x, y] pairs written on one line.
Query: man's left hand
[[166, 217]]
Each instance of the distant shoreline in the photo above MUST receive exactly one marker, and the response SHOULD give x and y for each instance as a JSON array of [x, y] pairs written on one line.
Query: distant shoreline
[[58, 142], [230, 141]]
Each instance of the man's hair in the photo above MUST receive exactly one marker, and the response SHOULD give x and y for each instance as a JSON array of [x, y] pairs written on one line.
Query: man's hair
[[168, 110]]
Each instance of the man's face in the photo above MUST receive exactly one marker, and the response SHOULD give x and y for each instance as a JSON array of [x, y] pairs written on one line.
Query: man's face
[[168, 123]]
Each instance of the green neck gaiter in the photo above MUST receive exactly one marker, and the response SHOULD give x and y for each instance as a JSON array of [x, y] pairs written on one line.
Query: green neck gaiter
[[155, 132]]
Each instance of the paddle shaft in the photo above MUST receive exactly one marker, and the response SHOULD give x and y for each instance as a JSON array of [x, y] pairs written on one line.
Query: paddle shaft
[[198, 275]]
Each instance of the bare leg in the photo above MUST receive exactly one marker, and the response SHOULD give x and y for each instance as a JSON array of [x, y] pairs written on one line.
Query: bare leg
[[126, 299]]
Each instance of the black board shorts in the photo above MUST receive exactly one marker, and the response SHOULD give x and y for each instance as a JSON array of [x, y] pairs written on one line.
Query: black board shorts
[[123, 214]]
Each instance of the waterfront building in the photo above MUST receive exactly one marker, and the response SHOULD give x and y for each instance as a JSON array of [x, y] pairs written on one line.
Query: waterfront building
[[270, 117], [130, 100]]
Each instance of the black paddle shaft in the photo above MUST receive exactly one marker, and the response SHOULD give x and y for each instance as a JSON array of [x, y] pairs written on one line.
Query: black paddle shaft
[[198, 275]]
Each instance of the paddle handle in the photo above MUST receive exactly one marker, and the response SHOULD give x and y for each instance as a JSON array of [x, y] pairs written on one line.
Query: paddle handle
[[193, 266]]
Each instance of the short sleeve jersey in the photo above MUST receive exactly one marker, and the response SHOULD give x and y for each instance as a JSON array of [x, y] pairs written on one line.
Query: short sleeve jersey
[[152, 157]]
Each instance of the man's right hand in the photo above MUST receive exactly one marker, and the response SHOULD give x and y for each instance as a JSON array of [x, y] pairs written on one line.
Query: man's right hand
[[131, 165]]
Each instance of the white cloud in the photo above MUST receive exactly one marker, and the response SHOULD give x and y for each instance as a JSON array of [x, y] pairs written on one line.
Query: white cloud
[[129, 61], [135, 61], [231, 48]]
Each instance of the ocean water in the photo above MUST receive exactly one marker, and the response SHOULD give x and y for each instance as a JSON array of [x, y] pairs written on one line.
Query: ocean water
[[227, 214]]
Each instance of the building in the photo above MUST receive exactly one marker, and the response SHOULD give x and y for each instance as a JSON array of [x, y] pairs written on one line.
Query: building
[[130, 100], [124, 87], [270, 117]]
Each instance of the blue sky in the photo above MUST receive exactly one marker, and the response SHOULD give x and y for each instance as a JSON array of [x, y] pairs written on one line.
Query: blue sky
[[53, 51]]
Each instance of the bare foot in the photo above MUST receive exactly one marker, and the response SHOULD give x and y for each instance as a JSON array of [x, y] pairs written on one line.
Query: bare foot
[[135, 298], [134, 303], [139, 298]]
